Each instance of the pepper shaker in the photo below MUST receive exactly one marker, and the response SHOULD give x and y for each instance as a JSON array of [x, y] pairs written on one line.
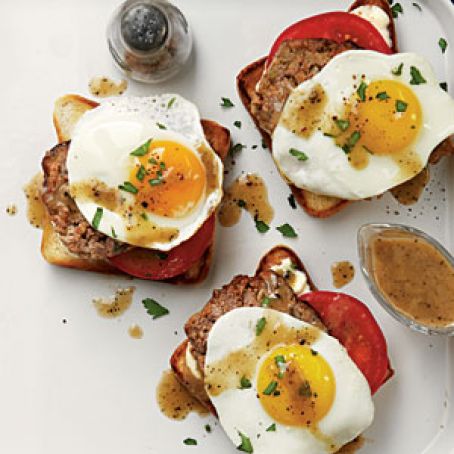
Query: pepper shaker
[[150, 40]]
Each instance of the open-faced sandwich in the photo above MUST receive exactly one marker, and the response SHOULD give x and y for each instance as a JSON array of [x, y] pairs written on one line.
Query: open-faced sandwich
[[346, 116], [282, 364], [132, 187]]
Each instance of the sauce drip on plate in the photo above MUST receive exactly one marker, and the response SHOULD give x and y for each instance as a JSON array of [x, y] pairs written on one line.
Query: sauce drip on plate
[[343, 273], [114, 306], [36, 211], [408, 193], [104, 87]]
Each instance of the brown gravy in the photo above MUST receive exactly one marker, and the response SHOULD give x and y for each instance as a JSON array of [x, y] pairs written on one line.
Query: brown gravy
[[248, 192], [104, 87], [414, 276], [343, 273], [36, 211], [353, 446], [174, 400], [116, 305], [135, 331], [409, 192]]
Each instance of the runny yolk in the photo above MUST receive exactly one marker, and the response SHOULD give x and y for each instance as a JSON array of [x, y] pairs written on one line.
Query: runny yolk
[[170, 179], [304, 385]]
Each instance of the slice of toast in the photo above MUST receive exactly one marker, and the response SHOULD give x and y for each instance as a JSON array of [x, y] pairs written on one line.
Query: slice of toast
[[317, 205], [67, 112], [178, 362]]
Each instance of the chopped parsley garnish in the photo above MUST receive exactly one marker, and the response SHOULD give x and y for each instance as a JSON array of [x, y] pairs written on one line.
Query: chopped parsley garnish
[[271, 428], [351, 142], [142, 150], [161, 255], [237, 124], [444, 86], [155, 181], [140, 175], [396, 9], [190, 442], [443, 44], [280, 363], [416, 76], [343, 125], [153, 161], [97, 217], [261, 226], [266, 301], [226, 102], [398, 70], [279, 360], [362, 91], [417, 6], [260, 326], [162, 165], [401, 106], [246, 445], [154, 308], [170, 103], [287, 230], [114, 233], [382, 96], [208, 428], [241, 203], [305, 390], [128, 187], [300, 155], [245, 383], [234, 149], [272, 386], [161, 126], [144, 216], [291, 201]]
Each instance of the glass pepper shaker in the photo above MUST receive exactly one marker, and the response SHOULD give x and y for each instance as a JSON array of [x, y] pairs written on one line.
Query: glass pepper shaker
[[149, 39]]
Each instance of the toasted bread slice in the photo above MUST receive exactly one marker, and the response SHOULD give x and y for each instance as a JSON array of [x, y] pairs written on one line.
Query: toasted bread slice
[[317, 205], [178, 362], [67, 112]]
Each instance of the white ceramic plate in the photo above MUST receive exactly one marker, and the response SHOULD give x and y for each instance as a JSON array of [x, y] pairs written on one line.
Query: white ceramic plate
[[86, 386]]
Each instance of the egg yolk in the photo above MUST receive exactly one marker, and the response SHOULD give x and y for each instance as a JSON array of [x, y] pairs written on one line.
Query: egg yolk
[[170, 179], [385, 120], [296, 386]]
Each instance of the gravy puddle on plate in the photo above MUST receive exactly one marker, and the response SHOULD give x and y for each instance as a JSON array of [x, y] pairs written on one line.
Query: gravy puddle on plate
[[247, 192], [103, 87], [36, 211], [115, 305], [174, 400], [343, 273], [408, 193], [135, 331]]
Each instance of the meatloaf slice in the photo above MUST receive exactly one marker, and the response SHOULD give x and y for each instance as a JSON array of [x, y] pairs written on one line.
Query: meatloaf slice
[[74, 230], [244, 291], [295, 61]]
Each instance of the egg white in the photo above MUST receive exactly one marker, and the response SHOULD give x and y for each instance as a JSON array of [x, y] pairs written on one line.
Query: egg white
[[240, 410], [100, 150], [327, 170]]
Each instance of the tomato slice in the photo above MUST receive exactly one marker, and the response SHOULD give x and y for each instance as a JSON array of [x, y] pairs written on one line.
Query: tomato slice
[[337, 26], [352, 323], [147, 264]]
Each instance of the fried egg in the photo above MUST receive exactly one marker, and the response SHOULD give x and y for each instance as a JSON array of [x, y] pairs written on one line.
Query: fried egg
[[282, 385], [365, 124], [141, 170]]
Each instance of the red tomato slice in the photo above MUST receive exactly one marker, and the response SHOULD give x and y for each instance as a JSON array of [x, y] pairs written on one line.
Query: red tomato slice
[[352, 323], [146, 264], [337, 26]]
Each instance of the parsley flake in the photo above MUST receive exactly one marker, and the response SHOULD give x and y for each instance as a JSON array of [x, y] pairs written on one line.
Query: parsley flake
[[154, 308], [128, 187], [97, 218], [272, 386], [237, 124], [114, 233], [343, 125], [398, 70], [140, 175], [245, 383], [382, 96], [443, 44], [261, 226], [287, 231], [444, 86], [246, 445], [161, 126], [362, 91], [190, 442], [351, 142], [266, 301], [300, 155], [171, 102], [416, 76], [155, 181], [271, 428], [142, 150], [401, 106], [208, 428], [227, 103], [234, 149], [260, 326], [397, 9], [291, 201]]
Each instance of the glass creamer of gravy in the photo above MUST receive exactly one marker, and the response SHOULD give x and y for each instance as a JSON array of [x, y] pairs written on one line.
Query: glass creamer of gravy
[[414, 277], [174, 400], [248, 192]]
